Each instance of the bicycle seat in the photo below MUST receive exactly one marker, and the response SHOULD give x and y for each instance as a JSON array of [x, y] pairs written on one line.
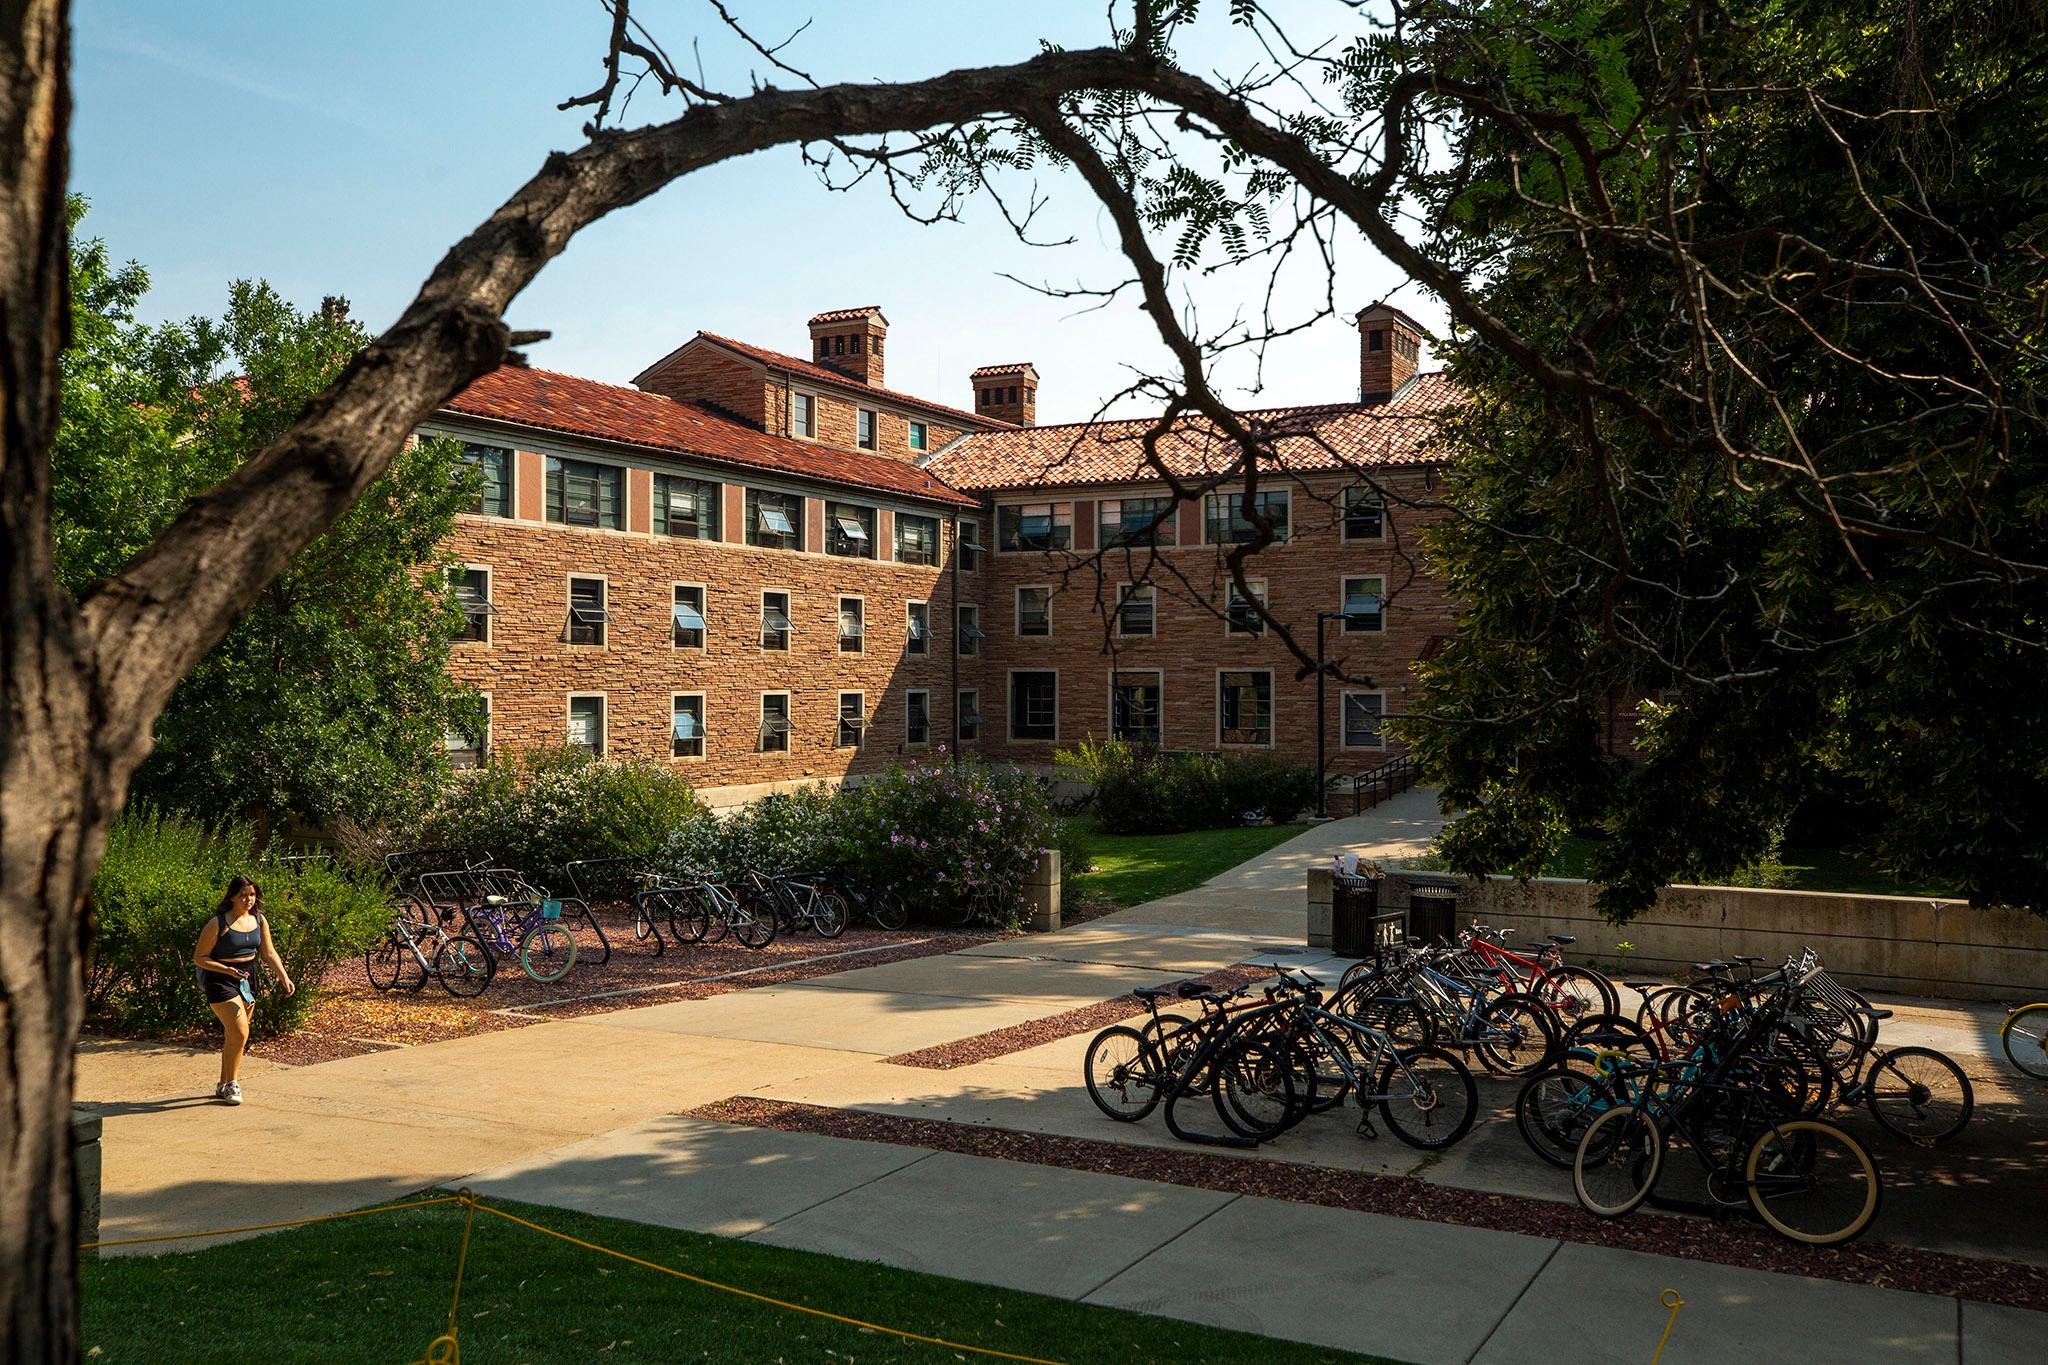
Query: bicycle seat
[[1710, 966], [1880, 1014], [497, 900], [1643, 985], [1192, 990], [1160, 992], [1559, 939], [1742, 958]]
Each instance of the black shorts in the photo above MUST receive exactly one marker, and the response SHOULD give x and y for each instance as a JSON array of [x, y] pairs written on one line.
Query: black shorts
[[219, 989]]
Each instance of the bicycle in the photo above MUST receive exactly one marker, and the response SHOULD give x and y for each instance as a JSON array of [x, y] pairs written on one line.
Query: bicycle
[[1433, 1088], [462, 964], [511, 916], [1571, 992], [2024, 1038], [805, 902]]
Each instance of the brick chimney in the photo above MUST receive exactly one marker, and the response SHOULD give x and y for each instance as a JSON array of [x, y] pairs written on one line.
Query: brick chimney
[[849, 340], [1008, 393], [1389, 347]]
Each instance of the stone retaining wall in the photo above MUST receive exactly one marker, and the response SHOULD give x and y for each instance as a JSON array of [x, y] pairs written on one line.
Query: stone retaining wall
[[1907, 944]]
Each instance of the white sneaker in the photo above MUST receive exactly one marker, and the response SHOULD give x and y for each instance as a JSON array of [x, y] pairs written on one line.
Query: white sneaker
[[228, 1092]]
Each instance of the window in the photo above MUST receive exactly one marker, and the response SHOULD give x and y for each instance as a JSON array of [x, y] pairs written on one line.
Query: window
[[1365, 513], [686, 617], [920, 434], [775, 722], [918, 629], [1226, 523], [495, 500], [1034, 705], [875, 345], [587, 616], [917, 539], [852, 625], [583, 494], [967, 716], [1135, 521], [967, 629], [803, 411], [1034, 611], [849, 530], [773, 519], [473, 594], [1134, 613], [775, 626], [1362, 712], [1241, 617], [867, 429], [1134, 707], [853, 719], [685, 507], [466, 750], [686, 725], [839, 345], [586, 723], [969, 533], [917, 717], [824, 347], [1035, 526], [1365, 606], [1244, 706]]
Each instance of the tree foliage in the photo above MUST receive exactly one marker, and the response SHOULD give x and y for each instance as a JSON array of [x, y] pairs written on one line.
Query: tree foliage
[[1791, 525], [331, 696]]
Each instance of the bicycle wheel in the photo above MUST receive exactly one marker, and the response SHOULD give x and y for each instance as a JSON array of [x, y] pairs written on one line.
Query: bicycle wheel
[[2024, 1036], [1427, 1097], [1616, 1166], [1575, 993], [464, 966], [1812, 1182], [1553, 1111], [1258, 1086], [1123, 1074], [547, 951], [1517, 1036], [1919, 1094], [753, 922], [689, 918], [829, 915], [384, 959]]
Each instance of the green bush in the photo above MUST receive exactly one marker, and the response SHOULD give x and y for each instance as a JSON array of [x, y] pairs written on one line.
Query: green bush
[[955, 841], [787, 832], [1141, 791], [552, 806], [161, 878]]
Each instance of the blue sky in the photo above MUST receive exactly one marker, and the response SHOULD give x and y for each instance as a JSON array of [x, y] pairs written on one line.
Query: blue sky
[[341, 149]]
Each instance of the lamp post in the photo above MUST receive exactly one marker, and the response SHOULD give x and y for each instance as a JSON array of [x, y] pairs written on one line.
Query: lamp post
[[1365, 606]]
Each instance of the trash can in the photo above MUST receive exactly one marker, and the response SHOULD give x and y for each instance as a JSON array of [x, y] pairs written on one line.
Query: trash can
[[1354, 903], [1433, 910]]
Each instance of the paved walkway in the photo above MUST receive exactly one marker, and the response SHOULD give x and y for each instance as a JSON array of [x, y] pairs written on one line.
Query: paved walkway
[[580, 1110]]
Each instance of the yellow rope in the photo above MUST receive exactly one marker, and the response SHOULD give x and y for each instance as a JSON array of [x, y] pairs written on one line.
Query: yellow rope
[[446, 1350], [1669, 1298], [269, 1227]]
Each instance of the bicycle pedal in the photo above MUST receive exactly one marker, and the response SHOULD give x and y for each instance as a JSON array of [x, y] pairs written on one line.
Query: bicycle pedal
[[1365, 1128]]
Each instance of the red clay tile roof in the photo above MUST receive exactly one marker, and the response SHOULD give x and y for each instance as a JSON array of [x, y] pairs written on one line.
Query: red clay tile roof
[[1330, 437], [795, 365], [584, 407], [844, 314], [1019, 367]]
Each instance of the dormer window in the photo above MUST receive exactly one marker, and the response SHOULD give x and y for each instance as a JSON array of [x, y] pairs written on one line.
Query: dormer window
[[803, 415], [867, 429]]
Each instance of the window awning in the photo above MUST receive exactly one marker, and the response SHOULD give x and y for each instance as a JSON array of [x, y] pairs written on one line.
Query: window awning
[[473, 604], [970, 631], [774, 724], [774, 620], [589, 616], [688, 726], [853, 720], [775, 521], [1364, 604], [970, 716], [851, 627], [852, 529], [688, 617], [918, 629]]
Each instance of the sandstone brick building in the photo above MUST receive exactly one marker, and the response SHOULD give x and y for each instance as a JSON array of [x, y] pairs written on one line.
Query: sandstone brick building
[[769, 568]]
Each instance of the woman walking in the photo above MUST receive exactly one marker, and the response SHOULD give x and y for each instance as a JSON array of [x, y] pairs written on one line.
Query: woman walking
[[229, 947]]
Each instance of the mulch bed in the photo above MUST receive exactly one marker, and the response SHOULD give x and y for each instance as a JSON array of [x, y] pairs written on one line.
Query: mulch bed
[[1728, 1243], [352, 1019], [1017, 1037]]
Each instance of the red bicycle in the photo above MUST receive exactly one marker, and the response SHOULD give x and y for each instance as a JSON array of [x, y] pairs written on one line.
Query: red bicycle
[[1572, 993]]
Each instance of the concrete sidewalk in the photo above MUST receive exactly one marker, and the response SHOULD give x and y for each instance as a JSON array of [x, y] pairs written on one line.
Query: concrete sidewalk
[[1431, 1293]]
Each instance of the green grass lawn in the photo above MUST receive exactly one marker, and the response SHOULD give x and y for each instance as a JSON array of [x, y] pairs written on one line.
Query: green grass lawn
[[1131, 869], [377, 1288], [1806, 869]]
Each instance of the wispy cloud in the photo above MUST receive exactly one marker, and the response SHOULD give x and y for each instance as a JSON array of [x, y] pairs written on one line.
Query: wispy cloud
[[233, 75]]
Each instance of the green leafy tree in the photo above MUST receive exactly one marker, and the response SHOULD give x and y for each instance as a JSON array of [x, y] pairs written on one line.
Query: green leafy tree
[[1774, 518], [331, 696]]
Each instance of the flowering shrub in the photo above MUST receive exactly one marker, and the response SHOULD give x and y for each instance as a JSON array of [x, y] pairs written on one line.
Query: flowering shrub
[[787, 832], [552, 806], [955, 841], [1141, 791]]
